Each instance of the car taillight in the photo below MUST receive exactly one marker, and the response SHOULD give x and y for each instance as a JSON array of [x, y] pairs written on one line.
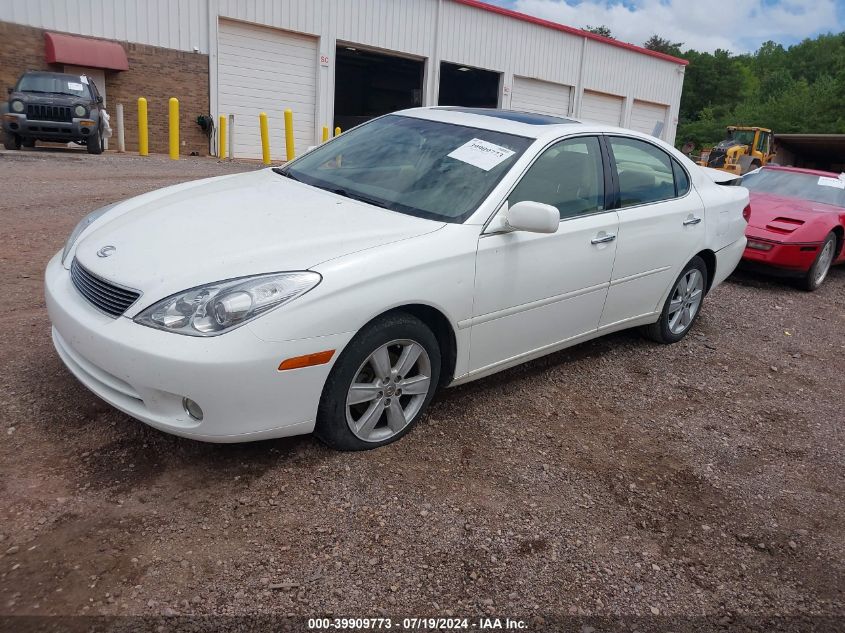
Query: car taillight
[[746, 213]]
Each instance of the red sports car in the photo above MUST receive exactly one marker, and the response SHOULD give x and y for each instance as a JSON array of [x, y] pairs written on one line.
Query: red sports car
[[797, 222]]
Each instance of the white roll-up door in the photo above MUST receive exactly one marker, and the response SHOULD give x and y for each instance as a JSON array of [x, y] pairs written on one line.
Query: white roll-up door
[[260, 69], [543, 97], [601, 108], [648, 118]]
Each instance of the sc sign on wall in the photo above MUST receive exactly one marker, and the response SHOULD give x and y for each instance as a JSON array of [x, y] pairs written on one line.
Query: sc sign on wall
[[267, 70]]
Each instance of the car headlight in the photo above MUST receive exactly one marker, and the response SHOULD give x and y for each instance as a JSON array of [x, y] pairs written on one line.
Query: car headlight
[[221, 306], [80, 110], [17, 106], [84, 223]]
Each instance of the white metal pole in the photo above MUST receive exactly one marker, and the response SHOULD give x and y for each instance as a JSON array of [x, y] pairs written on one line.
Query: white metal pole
[[231, 136], [121, 137]]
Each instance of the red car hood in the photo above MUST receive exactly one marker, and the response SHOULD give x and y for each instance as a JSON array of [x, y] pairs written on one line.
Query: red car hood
[[784, 216]]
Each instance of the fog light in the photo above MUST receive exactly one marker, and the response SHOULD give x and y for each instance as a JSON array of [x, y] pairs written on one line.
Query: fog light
[[192, 408]]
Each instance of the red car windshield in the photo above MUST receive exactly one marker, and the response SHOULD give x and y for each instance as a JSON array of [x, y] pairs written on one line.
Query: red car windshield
[[823, 189]]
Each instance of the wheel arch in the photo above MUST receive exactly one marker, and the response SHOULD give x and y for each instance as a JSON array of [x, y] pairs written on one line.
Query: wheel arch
[[442, 328], [709, 258], [839, 231]]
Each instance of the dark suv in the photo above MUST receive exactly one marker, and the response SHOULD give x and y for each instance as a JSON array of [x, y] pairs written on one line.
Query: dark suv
[[57, 107]]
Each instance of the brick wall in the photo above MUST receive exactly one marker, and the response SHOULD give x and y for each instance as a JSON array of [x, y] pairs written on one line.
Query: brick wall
[[155, 73]]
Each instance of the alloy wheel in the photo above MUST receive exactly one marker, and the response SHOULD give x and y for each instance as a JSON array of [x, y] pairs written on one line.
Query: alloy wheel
[[388, 390], [686, 300]]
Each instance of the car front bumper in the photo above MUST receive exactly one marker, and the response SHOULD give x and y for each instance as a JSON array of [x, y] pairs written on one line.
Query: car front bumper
[[783, 258], [52, 130], [146, 373]]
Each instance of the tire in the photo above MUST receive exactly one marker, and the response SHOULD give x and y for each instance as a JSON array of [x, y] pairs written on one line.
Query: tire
[[95, 143], [821, 266], [668, 329], [11, 141], [28, 142], [375, 420]]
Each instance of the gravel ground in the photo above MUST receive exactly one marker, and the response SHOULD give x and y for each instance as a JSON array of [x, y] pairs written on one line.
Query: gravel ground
[[615, 478]]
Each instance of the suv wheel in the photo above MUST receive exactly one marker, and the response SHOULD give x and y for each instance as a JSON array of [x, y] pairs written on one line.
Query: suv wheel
[[11, 141], [95, 143]]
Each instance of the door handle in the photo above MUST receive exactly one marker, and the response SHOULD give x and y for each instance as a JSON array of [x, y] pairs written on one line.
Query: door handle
[[604, 239], [691, 221]]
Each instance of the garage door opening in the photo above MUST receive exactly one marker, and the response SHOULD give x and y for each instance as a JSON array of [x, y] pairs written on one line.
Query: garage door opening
[[468, 87], [369, 84]]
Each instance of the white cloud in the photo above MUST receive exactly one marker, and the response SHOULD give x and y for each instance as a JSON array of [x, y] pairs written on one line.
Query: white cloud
[[735, 25]]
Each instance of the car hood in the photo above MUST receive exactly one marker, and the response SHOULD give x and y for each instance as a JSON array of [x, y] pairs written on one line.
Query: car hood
[[233, 226], [49, 98], [786, 214]]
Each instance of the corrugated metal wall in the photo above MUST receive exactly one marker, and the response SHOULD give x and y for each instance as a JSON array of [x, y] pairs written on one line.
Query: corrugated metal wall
[[432, 29]]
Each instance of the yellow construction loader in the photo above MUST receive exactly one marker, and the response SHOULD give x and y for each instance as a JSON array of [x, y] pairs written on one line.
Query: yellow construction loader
[[744, 149]]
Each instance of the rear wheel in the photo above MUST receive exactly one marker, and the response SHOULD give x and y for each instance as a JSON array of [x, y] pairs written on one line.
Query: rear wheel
[[818, 271], [380, 385], [11, 141], [95, 143], [682, 305]]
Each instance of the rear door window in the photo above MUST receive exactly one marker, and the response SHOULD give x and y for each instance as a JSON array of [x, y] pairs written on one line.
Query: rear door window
[[644, 172]]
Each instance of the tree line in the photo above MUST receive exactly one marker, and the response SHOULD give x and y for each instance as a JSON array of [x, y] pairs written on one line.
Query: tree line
[[800, 88]]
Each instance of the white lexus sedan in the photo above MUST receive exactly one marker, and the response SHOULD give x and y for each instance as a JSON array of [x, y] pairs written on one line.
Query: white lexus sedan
[[422, 249]]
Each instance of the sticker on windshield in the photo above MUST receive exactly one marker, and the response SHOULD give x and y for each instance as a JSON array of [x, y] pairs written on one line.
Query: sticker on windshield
[[481, 154], [74, 86], [832, 182]]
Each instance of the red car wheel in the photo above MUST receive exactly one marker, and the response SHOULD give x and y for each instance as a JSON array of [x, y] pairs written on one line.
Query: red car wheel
[[818, 271]]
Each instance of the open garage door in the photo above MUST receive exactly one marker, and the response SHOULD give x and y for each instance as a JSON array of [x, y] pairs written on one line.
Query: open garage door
[[601, 108], [542, 97], [648, 118], [369, 84], [260, 69], [468, 87]]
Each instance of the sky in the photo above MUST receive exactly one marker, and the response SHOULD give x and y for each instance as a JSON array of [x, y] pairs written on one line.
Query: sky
[[739, 26]]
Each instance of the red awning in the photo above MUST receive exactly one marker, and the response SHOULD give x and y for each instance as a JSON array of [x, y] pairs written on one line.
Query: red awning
[[81, 51]]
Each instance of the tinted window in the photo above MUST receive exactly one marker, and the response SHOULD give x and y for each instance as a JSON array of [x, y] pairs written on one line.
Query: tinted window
[[424, 168], [681, 180], [645, 172], [568, 176]]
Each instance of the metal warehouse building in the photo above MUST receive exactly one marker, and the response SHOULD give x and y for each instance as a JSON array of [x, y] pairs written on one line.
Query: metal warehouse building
[[335, 62]]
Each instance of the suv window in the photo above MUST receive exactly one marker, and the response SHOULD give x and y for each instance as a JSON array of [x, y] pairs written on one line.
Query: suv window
[[568, 176], [645, 172]]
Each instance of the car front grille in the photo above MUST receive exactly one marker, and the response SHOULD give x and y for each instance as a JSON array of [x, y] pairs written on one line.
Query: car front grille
[[62, 114], [107, 297]]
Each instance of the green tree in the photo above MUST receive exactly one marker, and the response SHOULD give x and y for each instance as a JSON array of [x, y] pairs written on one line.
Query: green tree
[[662, 45], [602, 30]]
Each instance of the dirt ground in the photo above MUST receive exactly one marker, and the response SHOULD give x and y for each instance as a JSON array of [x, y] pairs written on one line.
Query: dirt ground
[[617, 478]]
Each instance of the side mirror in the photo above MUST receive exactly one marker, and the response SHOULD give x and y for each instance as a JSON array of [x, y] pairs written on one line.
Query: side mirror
[[534, 217], [99, 98], [10, 89]]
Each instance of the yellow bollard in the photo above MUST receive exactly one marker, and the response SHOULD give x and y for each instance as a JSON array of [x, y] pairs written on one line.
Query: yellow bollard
[[337, 131], [174, 128], [265, 138], [325, 133], [291, 152], [143, 130], [221, 138]]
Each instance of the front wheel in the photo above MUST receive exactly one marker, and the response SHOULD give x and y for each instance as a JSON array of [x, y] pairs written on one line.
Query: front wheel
[[380, 385], [11, 141], [95, 143], [818, 271], [682, 305]]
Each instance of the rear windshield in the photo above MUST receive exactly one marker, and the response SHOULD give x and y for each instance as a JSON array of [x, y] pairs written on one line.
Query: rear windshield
[[823, 189], [74, 86], [414, 166]]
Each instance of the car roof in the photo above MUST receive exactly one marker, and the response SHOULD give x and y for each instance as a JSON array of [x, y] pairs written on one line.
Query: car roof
[[802, 170], [524, 124], [43, 73]]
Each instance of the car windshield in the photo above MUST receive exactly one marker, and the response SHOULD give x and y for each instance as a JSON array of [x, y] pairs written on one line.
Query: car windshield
[[57, 84], [744, 137], [415, 166], [824, 189]]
